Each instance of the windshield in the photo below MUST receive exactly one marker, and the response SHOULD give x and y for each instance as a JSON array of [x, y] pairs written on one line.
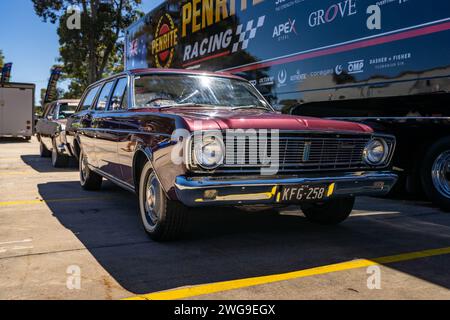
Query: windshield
[[176, 90], [66, 110]]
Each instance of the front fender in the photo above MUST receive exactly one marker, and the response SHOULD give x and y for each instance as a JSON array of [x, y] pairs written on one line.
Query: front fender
[[161, 161]]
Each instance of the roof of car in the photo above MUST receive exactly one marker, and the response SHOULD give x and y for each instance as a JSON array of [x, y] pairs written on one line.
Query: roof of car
[[167, 71], [184, 71]]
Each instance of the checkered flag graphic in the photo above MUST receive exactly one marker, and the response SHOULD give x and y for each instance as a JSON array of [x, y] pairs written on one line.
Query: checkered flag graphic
[[250, 31]]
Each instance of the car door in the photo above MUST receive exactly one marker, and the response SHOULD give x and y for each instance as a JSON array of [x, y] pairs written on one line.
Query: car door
[[44, 126], [80, 124], [105, 136]]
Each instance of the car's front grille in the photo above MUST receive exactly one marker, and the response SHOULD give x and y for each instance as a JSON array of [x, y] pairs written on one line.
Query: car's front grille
[[300, 152], [297, 152]]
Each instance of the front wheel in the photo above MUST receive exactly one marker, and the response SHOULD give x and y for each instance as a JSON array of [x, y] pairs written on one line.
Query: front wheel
[[58, 160], [331, 212], [89, 180], [43, 151], [435, 174], [163, 219]]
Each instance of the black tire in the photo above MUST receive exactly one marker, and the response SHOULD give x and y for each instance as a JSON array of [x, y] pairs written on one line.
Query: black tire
[[163, 219], [436, 189], [89, 179], [331, 212], [58, 160], [43, 151]]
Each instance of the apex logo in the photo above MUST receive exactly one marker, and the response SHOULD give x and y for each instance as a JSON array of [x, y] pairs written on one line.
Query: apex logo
[[284, 29]]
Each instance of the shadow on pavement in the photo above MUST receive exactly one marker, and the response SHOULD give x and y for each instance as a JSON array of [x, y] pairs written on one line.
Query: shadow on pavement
[[227, 244], [7, 140], [40, 164]]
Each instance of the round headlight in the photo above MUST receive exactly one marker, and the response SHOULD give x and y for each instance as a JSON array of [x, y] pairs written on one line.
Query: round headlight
[[209, 152], [376, 151]]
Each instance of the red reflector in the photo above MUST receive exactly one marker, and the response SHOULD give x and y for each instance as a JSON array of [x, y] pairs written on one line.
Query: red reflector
[[28, 127]]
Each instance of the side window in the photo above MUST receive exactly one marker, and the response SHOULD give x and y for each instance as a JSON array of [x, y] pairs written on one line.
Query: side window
[[89, 99], [119, 99], [50, 111], [104, 96]]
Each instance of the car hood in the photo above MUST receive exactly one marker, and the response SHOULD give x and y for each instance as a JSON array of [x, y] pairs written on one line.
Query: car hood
[[222, 119]]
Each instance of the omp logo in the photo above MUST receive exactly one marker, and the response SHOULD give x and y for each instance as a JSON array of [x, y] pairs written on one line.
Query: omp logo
[[355, 67], [165, 41], [283, 30], [352, 67], [338, 10]]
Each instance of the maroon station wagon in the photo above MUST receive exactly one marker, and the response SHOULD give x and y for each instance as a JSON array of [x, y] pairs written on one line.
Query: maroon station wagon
[[182, 139]]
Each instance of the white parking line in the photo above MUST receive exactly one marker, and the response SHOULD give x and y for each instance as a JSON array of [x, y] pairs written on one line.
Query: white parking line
[[14, 242], [15, 248], [378, 213]]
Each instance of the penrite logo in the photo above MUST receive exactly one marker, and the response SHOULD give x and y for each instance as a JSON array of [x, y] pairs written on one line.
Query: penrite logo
[[341, 9], [282, 31], [164, 42]]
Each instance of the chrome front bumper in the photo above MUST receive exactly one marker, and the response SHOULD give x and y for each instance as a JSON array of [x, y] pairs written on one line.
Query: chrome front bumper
[[209, 191]]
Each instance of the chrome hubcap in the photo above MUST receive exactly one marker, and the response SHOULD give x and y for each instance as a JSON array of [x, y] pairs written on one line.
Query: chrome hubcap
[[152, 200], [54, 156], [440, 174], [84, 168]]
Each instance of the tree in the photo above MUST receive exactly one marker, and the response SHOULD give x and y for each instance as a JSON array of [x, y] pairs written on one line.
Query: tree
[[95, 49], [2, 59]]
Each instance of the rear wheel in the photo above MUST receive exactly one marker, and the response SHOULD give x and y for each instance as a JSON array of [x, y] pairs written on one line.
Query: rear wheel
[[435, 174], [58, 160], [331, 212], [163, 219], [43, 151], [89, 180]]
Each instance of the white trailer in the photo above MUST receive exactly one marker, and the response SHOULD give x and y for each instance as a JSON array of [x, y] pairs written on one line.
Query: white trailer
[[17, 109]]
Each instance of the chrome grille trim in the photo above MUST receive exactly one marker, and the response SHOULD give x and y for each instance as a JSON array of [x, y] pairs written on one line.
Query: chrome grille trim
[[328, 152]]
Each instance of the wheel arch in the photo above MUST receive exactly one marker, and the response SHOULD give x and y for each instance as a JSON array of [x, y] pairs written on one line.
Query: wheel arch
[[142, 155]]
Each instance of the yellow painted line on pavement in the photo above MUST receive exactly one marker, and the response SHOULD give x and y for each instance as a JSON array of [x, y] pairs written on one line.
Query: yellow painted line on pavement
[[16, 173], [42, 201], [250, 282]]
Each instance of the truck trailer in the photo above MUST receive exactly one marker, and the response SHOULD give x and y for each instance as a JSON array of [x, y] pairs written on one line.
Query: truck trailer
[[385, 63], [17, 110]]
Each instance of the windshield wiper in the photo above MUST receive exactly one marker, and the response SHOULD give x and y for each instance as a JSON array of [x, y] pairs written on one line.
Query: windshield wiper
[[175, 105], [251, 107]]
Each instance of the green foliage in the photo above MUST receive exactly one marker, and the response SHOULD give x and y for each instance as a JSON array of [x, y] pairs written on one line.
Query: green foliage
[[96, 49], [2, 59]]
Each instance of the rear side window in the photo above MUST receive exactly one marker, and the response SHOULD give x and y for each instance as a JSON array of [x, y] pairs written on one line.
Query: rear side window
[[104, 96], [51, 113], [119, 99], [49, 110], [66, 110], [89, 99]]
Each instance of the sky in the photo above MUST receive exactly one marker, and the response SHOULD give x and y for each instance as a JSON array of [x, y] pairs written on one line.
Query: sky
[[32, 45]]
